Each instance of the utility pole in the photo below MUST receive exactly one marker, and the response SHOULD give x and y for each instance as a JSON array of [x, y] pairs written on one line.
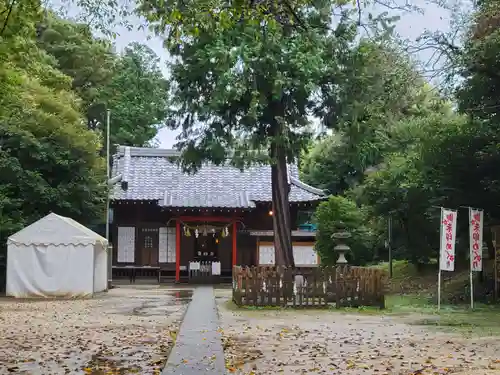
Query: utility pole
[[108, 116], [110, 253]]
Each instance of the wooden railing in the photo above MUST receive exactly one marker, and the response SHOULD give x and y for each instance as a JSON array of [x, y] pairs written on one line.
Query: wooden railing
[[132, 273], [341, 286]]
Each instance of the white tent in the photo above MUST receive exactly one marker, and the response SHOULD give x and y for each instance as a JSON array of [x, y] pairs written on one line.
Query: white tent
[[56, 257]]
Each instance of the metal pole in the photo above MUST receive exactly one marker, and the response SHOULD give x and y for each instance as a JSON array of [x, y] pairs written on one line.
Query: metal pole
[[439, 289], [389, 240], [493, 231], [439, 260], [470, 261], [110, 260], [108, 115]]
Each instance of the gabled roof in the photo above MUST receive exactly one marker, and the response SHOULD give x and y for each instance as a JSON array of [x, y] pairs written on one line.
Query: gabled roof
[[152, 174], [56, 230]]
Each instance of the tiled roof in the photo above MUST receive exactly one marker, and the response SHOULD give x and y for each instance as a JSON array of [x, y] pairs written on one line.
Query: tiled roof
[[151, 174]]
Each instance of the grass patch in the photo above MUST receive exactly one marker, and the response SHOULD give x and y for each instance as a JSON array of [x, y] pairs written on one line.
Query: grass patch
[[400, 269], [482, 321]]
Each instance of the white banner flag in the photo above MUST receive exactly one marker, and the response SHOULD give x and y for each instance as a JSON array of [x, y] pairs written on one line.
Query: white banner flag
[[447, 246], [476, 239]]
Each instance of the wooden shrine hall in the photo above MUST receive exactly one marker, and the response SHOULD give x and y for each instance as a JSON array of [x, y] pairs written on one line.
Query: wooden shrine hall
[[169, 226]]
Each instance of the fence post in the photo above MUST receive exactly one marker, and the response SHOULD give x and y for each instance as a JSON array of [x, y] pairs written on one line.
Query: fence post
[[345, 285]]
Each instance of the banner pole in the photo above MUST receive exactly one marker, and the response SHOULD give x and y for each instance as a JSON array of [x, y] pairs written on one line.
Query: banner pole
[[471, 291], [439, 289], [439, 259], [471, 260]]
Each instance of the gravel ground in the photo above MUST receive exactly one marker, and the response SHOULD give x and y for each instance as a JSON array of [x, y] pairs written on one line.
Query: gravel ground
[[322, 342], [127, 330]]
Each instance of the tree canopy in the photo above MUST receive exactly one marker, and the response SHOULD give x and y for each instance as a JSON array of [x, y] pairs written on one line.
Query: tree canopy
[[137, 95], [130, 84], [48, 158], [250, 82], [436, 152], [56, 78], [246, 92]]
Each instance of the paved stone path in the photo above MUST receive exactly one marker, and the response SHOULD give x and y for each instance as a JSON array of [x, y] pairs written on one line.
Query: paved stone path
[[198, 348]]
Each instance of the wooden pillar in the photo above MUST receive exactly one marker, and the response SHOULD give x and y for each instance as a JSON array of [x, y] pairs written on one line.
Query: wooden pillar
[[235, 253], [177, 251], [257, 252], [137, 244]]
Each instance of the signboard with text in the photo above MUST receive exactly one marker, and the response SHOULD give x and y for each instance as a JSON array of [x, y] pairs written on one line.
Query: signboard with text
[[476, 239], [447, 244]]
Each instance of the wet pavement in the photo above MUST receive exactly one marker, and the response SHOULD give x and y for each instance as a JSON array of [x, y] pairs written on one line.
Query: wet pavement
[[198, 348], [126, 331]]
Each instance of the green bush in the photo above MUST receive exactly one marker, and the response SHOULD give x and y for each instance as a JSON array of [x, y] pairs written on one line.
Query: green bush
[[328, 216]]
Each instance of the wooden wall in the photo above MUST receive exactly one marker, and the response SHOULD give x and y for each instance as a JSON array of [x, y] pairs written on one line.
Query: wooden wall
[[150, 215]]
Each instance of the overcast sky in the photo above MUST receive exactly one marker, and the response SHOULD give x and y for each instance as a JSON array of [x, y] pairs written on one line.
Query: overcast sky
[[410, 26]]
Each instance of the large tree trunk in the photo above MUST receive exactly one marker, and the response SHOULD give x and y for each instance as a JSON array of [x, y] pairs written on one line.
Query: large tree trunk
[[282, 222]]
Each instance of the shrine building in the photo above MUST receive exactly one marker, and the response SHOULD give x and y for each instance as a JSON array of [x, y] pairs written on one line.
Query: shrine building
[[167, 225]]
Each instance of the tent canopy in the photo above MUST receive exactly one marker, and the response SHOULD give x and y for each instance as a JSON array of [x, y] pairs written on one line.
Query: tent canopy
[[56, 257], [56, 230]]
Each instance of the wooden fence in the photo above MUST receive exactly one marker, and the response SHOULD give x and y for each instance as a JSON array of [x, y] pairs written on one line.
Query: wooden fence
[[342, 286]]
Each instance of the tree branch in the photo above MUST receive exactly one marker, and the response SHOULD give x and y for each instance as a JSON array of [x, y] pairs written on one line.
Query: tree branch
[[11, 6]]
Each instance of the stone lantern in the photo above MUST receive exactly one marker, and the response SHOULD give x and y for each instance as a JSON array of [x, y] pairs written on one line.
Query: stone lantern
[[341, 248]]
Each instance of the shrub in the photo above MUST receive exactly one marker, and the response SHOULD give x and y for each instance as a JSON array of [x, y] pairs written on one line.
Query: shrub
[[328, 216]]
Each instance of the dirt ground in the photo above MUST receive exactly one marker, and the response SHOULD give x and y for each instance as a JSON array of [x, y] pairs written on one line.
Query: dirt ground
[[127, 330], [322, 342]]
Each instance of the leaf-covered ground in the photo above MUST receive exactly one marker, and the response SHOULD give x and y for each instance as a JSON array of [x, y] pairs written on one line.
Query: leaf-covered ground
[[127, 330], [324, 342]]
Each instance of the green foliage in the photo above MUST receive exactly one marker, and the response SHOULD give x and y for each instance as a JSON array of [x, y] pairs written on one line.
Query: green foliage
[[190, 19], [131, 85], [403, 151], [325, 167], [87, 60], [478, 95], [249, 86], [53, 74], [450, 162], [48, 159], [245, 92], [328, 216], [137, 95], [380, 87], [397, 190]]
